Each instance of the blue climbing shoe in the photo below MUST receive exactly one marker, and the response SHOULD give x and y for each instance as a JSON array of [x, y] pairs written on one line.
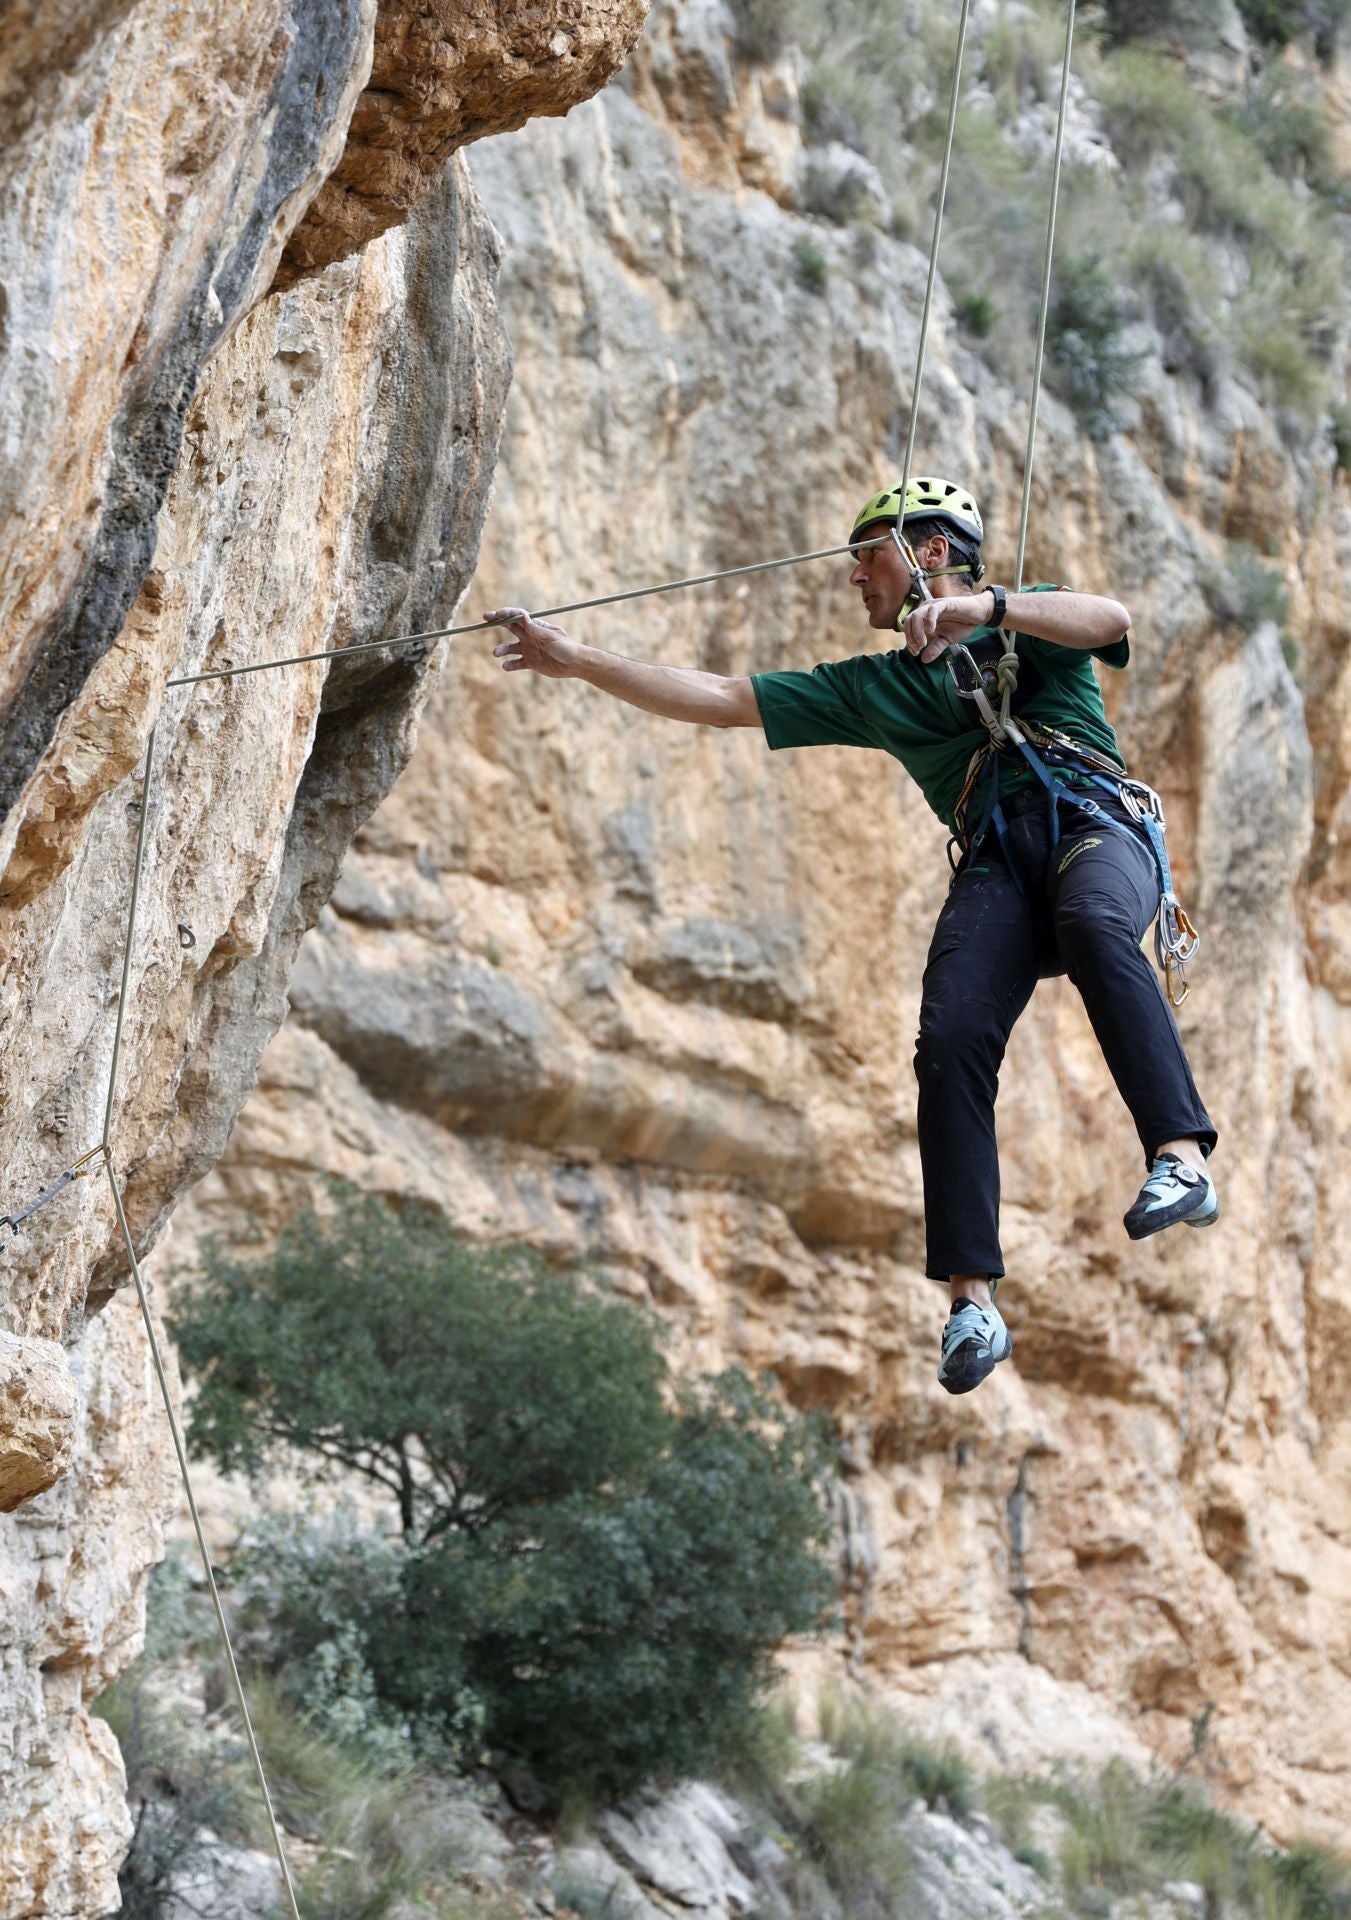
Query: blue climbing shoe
[[1174, 1191], [975, 1340]]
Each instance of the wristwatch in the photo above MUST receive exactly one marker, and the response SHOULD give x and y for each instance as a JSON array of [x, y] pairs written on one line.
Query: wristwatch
[[1000, 603]]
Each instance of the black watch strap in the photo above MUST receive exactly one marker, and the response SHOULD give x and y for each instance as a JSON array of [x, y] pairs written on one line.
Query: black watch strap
[[1000, 605]]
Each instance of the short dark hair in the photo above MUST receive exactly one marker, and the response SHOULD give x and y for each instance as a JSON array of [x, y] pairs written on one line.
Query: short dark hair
[[964, 549]]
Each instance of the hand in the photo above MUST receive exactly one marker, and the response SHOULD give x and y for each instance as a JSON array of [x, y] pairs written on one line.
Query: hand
[[936, 625], [535, 644]]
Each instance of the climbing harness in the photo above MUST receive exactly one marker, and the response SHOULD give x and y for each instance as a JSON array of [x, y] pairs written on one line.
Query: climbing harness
[[84, 1165], [1176, 940], [1043, 750]]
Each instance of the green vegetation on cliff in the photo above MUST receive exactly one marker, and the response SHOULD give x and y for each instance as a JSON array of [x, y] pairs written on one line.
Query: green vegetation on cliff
[[595, 1563], [1202, 217]]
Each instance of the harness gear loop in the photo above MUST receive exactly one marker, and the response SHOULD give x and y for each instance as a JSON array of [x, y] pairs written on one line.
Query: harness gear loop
[[96, 1155], [1176, 940]]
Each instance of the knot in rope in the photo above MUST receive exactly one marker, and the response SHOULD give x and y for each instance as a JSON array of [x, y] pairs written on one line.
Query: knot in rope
[[1006, 679]]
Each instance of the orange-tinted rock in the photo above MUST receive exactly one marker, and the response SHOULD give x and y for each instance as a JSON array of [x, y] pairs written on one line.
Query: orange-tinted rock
[[445, 72]]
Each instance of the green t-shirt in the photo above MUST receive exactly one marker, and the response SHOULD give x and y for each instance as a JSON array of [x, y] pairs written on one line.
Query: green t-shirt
[[914, 712]]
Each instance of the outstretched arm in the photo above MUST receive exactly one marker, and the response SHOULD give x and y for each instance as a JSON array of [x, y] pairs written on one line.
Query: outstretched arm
[[677, 693], [1081, 620]]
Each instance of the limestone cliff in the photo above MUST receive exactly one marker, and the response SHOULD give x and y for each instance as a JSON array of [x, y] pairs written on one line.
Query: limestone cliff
[[196, 474], [639, 992]]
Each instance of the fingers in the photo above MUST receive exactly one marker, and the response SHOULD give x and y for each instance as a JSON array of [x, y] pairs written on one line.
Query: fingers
[[509, 651], [920, 629]]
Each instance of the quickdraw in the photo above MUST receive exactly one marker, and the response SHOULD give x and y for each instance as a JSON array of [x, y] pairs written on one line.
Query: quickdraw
[[95, 1157], [1043, 749]]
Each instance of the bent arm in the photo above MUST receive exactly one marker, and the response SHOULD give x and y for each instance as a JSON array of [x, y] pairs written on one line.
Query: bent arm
[[676, 693], [1084, 620], [1080, 620]]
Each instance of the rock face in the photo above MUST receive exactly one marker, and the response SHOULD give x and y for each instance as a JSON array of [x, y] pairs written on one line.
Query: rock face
[[149, 200], [196, 475], [443, 75], [639, 993], [73, 1580], [37, 1425]]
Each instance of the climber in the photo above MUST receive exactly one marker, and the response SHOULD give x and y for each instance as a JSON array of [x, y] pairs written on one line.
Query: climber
[[1067, 887]]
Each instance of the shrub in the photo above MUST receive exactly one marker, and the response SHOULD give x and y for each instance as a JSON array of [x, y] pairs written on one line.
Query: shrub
[[1105, 1848], [938, 1775], [594, 1567], [1126, 20], [810, 266], [1021, 57], [1341, 437], [1172, 273], [1277, 22], [1247, 591], [184, 1780], [1291, 134], [851, 1823], [310, 1597], [847, 1823], [382, 1842], [1147, 106], [1312, 1880], [1086, 348], [975, 312], [762, 29]]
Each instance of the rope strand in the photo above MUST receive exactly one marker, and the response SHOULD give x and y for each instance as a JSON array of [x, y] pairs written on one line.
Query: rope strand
[[933, 253], [1045, 303], [155, 1355], [545, 613], [222, 1627]]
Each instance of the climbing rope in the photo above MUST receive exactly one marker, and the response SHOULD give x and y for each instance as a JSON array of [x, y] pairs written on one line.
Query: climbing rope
[[1006, 673], [953, 101], [106, 1149], [544, 613]]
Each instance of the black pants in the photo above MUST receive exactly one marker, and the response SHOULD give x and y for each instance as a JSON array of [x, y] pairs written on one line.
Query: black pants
[[1085, 905]]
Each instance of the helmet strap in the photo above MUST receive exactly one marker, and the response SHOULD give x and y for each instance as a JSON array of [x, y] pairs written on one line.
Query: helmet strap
[[915, 598]]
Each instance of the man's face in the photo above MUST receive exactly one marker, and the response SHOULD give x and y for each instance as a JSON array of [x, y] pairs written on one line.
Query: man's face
[[882, 578]]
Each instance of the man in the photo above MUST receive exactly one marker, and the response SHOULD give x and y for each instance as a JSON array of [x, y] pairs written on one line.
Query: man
[[1057, 889]]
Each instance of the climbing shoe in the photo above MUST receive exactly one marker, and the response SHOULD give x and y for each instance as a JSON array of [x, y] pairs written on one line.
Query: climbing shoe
[[975, 1340], [1174, 1191]]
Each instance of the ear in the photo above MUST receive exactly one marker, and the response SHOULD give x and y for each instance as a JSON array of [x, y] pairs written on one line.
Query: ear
[[935, 551]]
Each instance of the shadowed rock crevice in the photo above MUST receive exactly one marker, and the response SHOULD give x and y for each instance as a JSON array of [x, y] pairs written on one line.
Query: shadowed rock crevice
[[428, 502], [321, 39]]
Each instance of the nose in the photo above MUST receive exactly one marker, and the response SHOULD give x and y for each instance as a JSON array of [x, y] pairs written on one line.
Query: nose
[[859, 576]]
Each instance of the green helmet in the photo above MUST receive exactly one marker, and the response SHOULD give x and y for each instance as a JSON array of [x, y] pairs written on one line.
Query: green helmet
[[941, 500]]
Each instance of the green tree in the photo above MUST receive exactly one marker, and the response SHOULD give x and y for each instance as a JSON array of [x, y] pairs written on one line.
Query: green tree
[[596, 1564], [465, 1382], [607, 1630]]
